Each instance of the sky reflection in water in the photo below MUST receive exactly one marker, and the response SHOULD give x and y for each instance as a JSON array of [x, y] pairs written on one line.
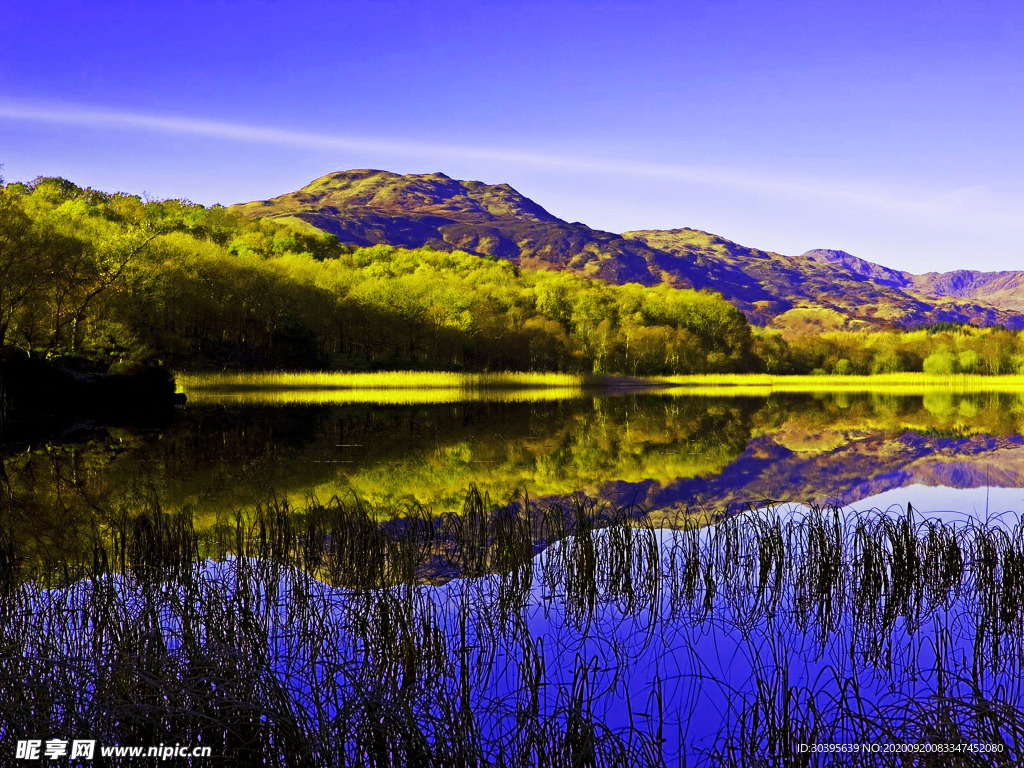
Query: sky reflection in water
[[694, 646]]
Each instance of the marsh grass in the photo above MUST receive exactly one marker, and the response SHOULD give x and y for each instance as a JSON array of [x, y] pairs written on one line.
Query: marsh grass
[[757, 384], [397, 387], [390, 387], [378, 396], [311, 637], [860, 586], [244, 655], [903, 381], [423, 387], [380, 380]]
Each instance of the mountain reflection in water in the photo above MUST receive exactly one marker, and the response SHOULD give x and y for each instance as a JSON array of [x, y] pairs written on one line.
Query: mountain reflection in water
[[669, 453]]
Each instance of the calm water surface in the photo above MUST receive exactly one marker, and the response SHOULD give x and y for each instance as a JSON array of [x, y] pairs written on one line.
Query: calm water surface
[[696, 654], [668, 452]]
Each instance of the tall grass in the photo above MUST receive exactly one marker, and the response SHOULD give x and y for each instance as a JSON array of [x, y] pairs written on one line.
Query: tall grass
[[753, 384], [391, 387], [378, 380], [246, 654], [378, 396], [416, 387], [311, 637]]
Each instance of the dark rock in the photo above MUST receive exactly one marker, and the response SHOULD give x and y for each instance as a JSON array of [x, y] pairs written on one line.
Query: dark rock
[[52, 395]]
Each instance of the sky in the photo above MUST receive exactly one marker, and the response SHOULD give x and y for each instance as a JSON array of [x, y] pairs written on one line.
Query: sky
[[891, 130]]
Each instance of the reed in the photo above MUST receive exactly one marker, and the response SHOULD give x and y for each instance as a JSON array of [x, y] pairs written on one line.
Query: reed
[[190, 382], [378, 396], [312, 636], [755, 384]]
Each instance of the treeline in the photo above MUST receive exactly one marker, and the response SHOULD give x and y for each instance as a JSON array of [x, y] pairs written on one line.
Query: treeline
[[115, 280], [114, 277], [941, 349]]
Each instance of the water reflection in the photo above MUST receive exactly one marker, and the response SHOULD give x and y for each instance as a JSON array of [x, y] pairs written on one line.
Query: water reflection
[[390, 396], [729, 645], [673, 453]]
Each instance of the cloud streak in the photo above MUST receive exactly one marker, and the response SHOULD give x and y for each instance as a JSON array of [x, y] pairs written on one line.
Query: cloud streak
[[216, 129], [836, 192]]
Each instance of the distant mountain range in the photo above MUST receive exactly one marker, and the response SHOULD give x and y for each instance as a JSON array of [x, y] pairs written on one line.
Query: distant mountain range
[[860, 465], [817, 290]]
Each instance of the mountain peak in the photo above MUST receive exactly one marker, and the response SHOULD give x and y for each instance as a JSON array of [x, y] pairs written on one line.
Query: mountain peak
[[427, 194], [827, 254], [365, 206], [860, 267]]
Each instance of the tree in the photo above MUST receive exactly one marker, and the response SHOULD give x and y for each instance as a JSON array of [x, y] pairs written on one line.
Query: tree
[[969, 361], [22, 272], [941, 363]]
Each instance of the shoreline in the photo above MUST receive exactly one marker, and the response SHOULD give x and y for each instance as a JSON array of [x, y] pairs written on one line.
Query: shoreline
[[242, 381]]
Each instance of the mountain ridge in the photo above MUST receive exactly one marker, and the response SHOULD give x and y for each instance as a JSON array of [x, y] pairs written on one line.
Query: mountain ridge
[[364, 207]]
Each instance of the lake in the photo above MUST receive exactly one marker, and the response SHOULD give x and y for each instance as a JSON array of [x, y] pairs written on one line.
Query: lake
[[744, 629], [669, 452]]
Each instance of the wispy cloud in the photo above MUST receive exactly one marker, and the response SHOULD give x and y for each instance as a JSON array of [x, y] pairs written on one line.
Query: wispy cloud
[[835, 191], [217, 129]]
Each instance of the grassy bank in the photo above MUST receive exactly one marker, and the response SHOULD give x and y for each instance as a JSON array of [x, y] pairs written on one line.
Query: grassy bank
[[392, 387], [424, 387], [241, 380], [272, 395], [894, 383], [910, 382]]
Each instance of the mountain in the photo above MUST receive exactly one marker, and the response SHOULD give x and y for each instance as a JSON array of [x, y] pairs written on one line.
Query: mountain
[[817, 290], [874, 272], [1002, 289], [794, 282], [365, 207], [842, 290]]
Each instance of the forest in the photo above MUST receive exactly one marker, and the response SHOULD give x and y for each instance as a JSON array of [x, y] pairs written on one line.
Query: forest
[[115, 281]]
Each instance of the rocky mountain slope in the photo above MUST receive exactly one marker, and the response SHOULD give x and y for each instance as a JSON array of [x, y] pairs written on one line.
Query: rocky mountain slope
[[820, 288]]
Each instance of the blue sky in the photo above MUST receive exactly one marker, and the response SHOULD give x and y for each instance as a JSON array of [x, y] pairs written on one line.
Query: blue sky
[[890, 130]]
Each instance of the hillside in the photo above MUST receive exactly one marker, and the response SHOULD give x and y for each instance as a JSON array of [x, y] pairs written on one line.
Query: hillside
[[863, 293], [365, 207], [817, 290]]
